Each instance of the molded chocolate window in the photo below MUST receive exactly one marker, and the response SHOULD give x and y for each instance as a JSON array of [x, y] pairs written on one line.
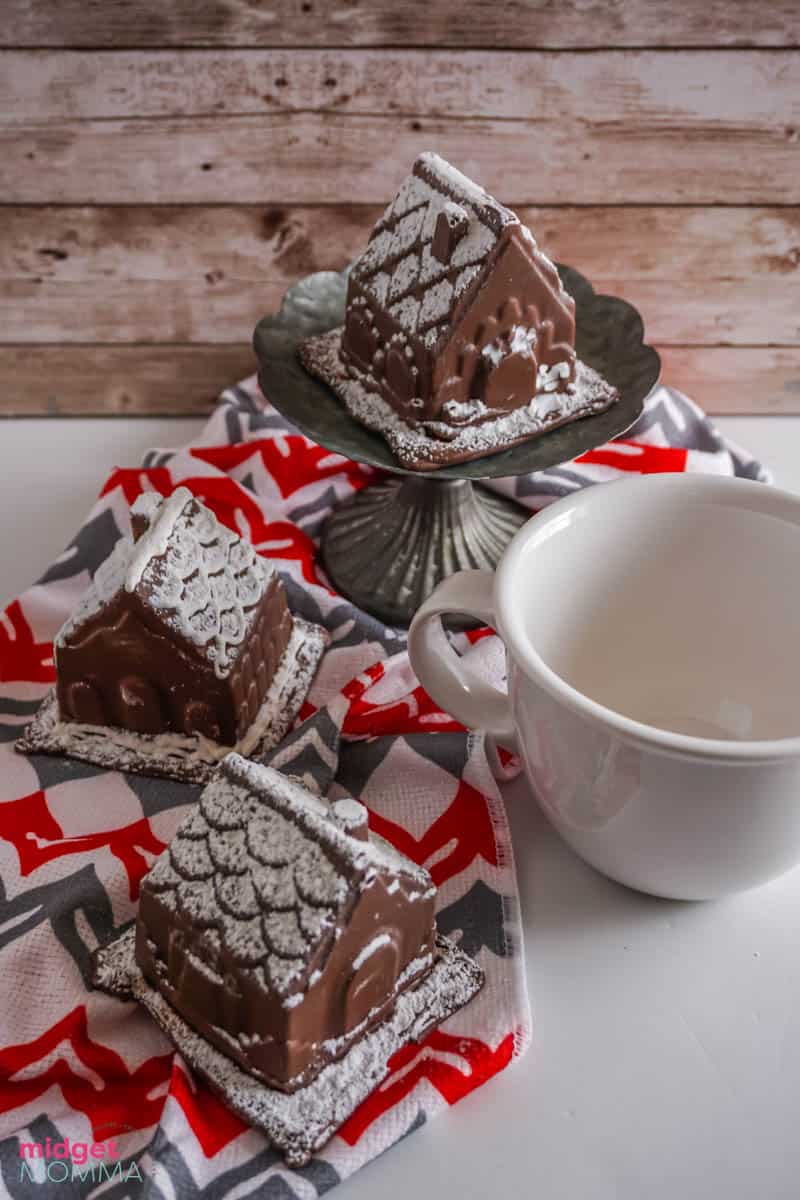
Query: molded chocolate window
[[139, 705], [373, 978], [85, 703]]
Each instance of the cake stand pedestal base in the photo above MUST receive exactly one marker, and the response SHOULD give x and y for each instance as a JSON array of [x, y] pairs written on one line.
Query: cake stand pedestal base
[[388, 546]]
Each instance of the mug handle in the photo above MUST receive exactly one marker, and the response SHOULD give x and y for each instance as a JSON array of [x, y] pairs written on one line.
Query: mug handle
[[452, 685]]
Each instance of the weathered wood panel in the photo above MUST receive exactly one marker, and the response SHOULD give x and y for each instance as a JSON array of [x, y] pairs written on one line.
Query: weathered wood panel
[[740, 379], [223, 172], [184, 380], [303, 125], [522, 23], [746, 90], [117, 380], [306, 157], [226, 310], [162, 274], [177, 241]]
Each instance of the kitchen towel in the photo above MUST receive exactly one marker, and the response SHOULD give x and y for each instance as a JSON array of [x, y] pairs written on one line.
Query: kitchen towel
[[80, 1068]]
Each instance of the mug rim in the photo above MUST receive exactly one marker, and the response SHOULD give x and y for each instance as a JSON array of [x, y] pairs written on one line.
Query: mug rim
[[526, 656]]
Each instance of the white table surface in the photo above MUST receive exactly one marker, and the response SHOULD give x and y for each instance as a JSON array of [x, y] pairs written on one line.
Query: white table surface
[[666, 1056]]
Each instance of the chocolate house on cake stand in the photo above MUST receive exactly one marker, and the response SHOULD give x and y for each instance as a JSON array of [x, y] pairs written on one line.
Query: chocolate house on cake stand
[[387, 547]]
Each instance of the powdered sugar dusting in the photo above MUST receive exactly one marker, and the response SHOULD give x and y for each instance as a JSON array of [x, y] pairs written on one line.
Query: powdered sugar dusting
[[153, 543], [414, 447], [299, 1123], [465, 189], [188, 757], [312, 814], [397, 267], [275, 871], [549, 378], [203, 580], [349, 814]]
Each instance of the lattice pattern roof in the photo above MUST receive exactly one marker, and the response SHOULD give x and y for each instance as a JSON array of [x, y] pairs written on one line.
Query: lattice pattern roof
[[204, 581], [401, 268]]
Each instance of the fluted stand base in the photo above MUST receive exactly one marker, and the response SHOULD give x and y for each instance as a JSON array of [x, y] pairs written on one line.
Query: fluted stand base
[[388, 547]]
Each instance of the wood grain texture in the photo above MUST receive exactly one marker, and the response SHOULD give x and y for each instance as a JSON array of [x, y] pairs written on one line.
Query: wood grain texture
[[163, 274], [300, 126], [523, 23], [739, 379], [308, 156], [117, 380], [184, 380], [162, 190], [693, 89]]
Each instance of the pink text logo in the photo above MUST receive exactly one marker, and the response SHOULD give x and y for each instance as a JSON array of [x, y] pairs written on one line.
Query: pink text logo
[[55, 1161]]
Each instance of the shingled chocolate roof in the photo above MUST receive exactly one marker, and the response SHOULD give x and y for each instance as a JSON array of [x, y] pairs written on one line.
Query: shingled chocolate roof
[[203, 581], [268, 870], [420, 275]]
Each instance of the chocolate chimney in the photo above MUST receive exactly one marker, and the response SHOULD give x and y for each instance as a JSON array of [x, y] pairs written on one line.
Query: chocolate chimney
[[451, 225], [351, 817], [143, 510]]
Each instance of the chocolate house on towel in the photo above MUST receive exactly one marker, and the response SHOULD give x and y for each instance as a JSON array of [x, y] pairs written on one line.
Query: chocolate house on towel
[[181, 630], [454, 315], [278, 927]]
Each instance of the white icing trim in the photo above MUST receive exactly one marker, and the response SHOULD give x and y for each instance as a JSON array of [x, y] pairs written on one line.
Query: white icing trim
[[154, 541]]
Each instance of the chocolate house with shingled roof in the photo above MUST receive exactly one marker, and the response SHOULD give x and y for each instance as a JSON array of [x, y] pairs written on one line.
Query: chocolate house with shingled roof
[[279, 927], [454, 315], [181, 630]]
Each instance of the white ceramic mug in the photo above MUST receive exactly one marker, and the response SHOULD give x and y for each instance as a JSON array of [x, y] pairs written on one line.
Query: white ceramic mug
[[652, 630]]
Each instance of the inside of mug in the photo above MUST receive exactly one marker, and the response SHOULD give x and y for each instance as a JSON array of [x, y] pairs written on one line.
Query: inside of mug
[[682, 615]]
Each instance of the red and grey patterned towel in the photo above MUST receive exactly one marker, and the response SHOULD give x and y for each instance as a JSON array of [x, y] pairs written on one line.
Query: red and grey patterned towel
[[75, 841]]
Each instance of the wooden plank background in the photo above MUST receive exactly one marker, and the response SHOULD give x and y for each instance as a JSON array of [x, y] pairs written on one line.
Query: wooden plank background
[[167, 170]]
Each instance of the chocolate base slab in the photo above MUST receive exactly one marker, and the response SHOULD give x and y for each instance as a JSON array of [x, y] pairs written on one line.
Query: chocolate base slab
[[189, 758], [300, 1122], [417, 450]]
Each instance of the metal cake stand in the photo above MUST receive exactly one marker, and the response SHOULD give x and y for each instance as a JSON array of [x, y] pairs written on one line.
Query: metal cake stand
[[388, 546]]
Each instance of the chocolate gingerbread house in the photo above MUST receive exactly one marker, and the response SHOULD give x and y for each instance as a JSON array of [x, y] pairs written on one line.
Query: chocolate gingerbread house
[[454, 315], [181, 630], [279, 927]]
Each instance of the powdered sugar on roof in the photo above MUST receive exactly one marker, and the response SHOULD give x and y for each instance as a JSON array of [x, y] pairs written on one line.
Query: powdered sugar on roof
[[463, 190], [265, 870], [361, 857], [398, 268], [204, 581], [109, 578]]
